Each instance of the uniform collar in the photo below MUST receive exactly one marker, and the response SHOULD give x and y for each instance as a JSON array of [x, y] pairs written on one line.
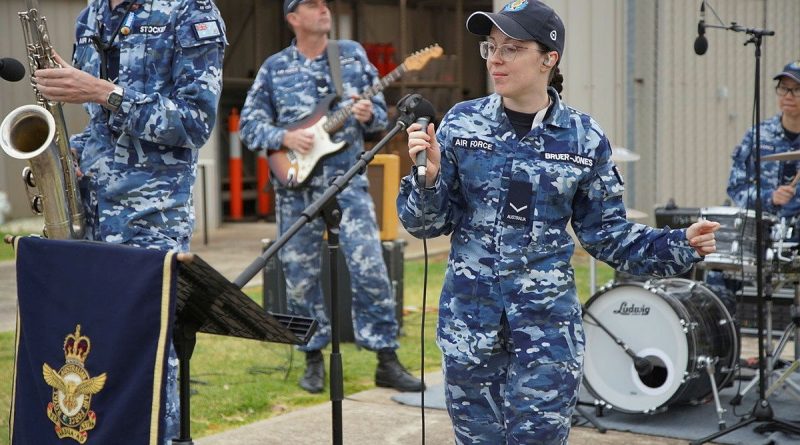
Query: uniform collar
[[557, 116]]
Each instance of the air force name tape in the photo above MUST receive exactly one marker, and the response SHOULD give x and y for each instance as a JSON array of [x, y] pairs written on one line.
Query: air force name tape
[[569, 157]]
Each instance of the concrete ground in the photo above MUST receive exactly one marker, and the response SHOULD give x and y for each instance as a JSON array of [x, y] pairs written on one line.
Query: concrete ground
[[369, 417]]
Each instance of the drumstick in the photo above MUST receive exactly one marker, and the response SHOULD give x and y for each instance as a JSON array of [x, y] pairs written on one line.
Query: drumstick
[[794, 181]]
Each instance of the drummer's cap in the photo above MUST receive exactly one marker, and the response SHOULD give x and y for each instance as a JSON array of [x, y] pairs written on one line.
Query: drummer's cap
[[792, 70], [523, 20]]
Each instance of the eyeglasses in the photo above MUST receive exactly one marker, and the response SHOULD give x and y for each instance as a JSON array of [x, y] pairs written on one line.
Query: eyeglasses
[[508, 52], [782, 90]]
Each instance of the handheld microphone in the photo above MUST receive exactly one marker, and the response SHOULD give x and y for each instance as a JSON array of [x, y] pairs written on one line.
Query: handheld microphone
[[11, 69], [424, 112], [701, 43]]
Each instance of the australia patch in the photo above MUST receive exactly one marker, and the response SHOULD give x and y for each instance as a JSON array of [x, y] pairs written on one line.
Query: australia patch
[[580, 161], [207, 30], [473, 144], [518, 206]]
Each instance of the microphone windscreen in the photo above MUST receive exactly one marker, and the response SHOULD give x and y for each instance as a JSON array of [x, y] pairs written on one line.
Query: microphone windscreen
[[11, 69], [700, 45], [424, 108]]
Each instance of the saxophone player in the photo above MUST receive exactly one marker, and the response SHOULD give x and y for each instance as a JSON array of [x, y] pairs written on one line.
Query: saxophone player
[[149, 74]]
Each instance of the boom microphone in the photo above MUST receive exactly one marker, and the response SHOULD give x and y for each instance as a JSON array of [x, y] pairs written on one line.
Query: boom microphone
[[11, 69], [701, 43]]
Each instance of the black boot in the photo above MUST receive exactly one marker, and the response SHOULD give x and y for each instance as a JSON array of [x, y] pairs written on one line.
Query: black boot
[[314, 378], [391, 374]]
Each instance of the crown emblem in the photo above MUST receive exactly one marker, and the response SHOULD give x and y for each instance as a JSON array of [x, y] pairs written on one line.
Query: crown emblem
[[76, 347]]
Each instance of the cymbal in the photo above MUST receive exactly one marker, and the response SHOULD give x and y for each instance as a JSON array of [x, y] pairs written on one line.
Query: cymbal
[[622, 154], [635, 214], [786, 156]]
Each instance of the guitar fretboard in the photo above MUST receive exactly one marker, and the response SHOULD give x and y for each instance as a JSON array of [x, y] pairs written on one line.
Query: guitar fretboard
[[338, 117]]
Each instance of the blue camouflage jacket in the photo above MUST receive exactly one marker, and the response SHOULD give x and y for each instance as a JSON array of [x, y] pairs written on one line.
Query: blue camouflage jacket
[[141, 160], [741, 184], [507, 201], [288, 87]]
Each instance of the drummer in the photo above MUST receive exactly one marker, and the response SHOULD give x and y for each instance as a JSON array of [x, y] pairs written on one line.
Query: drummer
[[780, 133]]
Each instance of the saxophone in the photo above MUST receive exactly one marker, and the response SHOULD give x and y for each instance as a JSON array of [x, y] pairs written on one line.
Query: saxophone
[[38, 134]]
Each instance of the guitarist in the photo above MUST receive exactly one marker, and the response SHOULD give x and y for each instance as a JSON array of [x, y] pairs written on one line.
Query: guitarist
[[287, 88]]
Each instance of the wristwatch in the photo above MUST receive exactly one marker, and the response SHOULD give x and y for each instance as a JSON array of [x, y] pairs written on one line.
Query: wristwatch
[[114, 99]]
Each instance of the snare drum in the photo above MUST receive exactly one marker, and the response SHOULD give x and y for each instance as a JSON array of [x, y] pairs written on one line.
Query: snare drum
[[736, 238], [676, 324]]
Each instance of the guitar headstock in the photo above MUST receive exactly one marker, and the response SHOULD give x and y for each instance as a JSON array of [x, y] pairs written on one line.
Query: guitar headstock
[[420, 58]]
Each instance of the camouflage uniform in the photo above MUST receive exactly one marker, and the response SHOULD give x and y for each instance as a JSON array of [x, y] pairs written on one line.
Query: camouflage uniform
[[287, 89], [510, 322], [742, 189], [140, 162]]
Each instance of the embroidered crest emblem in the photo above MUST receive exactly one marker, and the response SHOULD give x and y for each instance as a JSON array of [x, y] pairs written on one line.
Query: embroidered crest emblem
[[72, 386], [515, 5]]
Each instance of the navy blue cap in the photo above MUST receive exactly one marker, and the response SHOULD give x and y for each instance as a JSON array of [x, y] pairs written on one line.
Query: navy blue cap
[[792, 70], [522, 20], [290, 6]]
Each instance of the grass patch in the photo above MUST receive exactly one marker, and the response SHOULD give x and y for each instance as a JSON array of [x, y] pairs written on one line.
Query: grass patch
[[6, 250], [236, 382]]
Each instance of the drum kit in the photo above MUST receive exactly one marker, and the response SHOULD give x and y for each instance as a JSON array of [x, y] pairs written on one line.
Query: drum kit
[[653, 344]]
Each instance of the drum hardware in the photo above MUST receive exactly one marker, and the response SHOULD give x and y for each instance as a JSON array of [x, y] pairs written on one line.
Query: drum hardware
[[710, 366], [676, 326], [589, 418], [737, 238], [785, 156], [772, 357], [621, 154]]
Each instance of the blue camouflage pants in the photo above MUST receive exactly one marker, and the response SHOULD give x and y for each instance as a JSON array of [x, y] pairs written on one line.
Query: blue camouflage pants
[[373, 305], [152, 240], [505, 400]]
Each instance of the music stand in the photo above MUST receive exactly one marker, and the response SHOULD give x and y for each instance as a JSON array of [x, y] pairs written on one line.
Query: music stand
[[207, 302], [762, 411]]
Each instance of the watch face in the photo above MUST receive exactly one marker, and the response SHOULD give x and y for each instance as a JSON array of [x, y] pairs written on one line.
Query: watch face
[[115, 98]]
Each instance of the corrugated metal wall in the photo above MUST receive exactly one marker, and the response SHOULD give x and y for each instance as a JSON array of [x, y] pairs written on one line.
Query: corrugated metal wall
[[13, 95], [690, 111], [628, 63]]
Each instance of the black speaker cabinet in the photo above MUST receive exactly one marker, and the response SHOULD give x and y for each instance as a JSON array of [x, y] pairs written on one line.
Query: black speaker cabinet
[[274, 288]]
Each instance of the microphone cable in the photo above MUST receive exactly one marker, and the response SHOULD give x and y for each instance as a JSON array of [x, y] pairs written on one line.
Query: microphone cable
[[424, 305]]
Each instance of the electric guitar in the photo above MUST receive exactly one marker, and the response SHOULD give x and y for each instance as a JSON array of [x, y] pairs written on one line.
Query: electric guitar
[[292, 169]]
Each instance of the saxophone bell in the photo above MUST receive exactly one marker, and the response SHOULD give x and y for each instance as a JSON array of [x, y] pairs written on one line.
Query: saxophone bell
[[29, 133]]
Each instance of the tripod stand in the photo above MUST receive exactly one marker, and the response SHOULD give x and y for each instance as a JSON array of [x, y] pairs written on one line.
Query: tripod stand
[[762, 411]]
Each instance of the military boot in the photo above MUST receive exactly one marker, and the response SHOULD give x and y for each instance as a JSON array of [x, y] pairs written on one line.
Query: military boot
[[391, 374], [314, 378]]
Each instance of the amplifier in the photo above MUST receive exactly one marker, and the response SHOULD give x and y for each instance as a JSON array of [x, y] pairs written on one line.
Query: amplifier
[[676, 217], [274, 288]]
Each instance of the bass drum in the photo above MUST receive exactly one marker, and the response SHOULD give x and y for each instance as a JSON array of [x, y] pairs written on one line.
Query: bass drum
[[676, 324]]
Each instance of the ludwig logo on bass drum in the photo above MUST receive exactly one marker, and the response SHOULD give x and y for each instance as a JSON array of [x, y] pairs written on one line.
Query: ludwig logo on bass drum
[[632, 309]]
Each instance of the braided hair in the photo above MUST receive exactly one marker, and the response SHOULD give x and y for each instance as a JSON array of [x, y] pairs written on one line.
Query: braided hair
[[556, 80]]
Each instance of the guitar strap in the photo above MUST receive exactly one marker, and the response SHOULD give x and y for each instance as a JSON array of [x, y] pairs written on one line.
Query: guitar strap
[[336, 66]]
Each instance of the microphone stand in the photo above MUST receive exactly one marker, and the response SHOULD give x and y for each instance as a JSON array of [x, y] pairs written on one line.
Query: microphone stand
[[762, 411], [332, 214]]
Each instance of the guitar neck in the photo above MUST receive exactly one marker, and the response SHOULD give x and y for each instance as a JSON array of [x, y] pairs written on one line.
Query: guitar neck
[[338, 117]]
